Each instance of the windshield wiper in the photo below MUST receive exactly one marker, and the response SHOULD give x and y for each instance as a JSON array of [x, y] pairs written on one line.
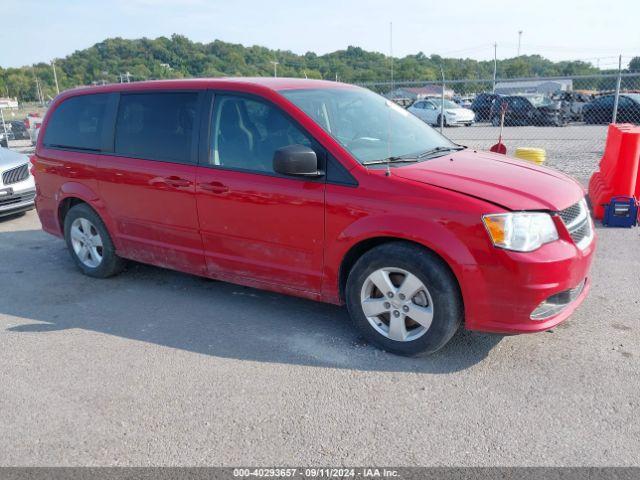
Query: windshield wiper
[[432, 151], [413, 157], [399, 159]]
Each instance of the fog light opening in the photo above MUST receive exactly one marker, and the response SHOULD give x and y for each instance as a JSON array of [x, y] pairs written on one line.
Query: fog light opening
[[556, 303]]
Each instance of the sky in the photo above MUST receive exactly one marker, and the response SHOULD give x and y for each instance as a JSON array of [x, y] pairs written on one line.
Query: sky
[[595, 31]]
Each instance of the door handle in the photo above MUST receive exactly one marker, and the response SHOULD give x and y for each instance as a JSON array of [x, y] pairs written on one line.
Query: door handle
[[214, 187], [177, 181], [172, 181]]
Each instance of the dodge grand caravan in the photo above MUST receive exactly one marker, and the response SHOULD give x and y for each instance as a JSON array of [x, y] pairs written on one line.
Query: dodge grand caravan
[[316, 189]]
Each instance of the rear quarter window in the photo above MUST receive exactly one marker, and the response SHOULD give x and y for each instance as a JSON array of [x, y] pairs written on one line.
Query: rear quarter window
[[78, 123]]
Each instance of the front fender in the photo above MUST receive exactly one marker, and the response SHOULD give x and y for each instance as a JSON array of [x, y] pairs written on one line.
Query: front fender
[[442, 236]]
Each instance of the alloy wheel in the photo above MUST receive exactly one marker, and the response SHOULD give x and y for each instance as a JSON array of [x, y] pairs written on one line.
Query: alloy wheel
[[397, 304], [86, 242]]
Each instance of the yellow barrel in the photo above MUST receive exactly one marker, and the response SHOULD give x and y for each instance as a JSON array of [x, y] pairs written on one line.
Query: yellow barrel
[[535, 155]]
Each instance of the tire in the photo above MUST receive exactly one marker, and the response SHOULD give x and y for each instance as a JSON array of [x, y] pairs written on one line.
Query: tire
[[109, 263], [442, 297], [444, 124]]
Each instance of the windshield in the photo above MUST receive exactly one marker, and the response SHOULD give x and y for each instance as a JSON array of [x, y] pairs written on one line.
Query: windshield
[[369, 126], [447, 103], [540, 101]]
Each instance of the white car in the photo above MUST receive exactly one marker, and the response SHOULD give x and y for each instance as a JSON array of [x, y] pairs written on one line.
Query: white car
[[17, 187], [429, 111]]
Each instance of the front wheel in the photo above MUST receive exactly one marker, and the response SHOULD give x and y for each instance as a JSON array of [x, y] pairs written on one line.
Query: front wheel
[[404, 299]]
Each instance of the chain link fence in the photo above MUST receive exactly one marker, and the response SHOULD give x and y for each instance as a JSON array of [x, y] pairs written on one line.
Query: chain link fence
[[565, 116]]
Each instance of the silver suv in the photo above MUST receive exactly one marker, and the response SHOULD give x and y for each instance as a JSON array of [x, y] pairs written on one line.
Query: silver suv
[[17, 188]]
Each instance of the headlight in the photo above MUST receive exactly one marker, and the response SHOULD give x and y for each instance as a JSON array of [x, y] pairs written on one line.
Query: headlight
[[520, 231]]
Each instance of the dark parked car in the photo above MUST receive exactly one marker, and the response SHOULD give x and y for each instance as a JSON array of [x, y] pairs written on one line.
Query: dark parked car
[[19, 130], [521, 111], [601, 109], [482, 106]]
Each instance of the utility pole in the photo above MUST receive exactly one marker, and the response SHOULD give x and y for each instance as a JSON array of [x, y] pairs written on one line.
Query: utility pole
[[55, 76], [617, 97], [4, 127], [275, 68], [39, 90], [391, 51], [442, 101], [128, 75], [519, 40], [495, 65]]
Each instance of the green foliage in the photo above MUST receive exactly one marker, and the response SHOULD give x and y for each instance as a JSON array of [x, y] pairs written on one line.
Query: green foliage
[[179, 57]]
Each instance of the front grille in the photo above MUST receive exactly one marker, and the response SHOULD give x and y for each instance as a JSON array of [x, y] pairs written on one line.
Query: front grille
[[16, 175], [576, 219], [4, 201], [569, 215]]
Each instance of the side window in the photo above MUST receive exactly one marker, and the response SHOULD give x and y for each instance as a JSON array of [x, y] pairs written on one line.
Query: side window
[[78, 123], [246, 133], [156, 126], [625, 102], [606, 102]]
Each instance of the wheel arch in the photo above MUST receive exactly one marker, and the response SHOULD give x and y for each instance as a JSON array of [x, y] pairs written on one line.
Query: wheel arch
[[363, 246], [72, 194]]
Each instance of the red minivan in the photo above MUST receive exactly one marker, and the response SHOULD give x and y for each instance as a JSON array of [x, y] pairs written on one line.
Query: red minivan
[[316, 189]]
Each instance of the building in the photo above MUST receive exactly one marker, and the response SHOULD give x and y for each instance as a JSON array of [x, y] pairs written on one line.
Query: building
[[6, 102], [534, 86], [418, 93]]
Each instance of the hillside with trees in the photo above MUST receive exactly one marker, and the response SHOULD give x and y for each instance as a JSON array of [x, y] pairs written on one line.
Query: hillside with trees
[[179, 57]]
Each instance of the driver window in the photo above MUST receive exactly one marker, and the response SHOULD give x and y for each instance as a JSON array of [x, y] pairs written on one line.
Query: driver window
[[246, 133], [430, 106]]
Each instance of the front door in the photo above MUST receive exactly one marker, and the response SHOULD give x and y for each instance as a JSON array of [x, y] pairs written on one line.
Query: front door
[[258, 227]]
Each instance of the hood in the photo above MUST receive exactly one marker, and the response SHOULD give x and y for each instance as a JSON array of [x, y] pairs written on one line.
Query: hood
[[509, 183], [9, 158]]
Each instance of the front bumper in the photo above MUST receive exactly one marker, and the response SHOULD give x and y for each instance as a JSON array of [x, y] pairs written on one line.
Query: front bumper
[[502, 295], [460, 120], [17, 202]]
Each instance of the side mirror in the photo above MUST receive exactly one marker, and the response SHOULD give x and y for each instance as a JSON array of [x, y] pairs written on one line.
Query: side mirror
[[297, 160]]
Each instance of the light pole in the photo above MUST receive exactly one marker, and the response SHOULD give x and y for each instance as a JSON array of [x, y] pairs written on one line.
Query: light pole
[[495, 65], [275, 68], [519, 40], [391, 50]]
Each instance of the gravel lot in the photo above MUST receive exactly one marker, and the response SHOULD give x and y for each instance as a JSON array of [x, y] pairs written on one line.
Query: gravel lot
[[159, 368]]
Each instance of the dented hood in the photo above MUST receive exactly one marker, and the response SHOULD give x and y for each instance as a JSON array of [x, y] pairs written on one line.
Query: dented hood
[[510, 183]]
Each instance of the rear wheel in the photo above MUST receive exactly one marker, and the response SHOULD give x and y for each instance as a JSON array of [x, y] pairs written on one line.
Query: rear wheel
[[89, 243], [404, 299], [444, 124]]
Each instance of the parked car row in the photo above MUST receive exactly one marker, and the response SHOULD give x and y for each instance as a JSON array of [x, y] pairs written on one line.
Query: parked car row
[[26, 129], [558, 109]]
